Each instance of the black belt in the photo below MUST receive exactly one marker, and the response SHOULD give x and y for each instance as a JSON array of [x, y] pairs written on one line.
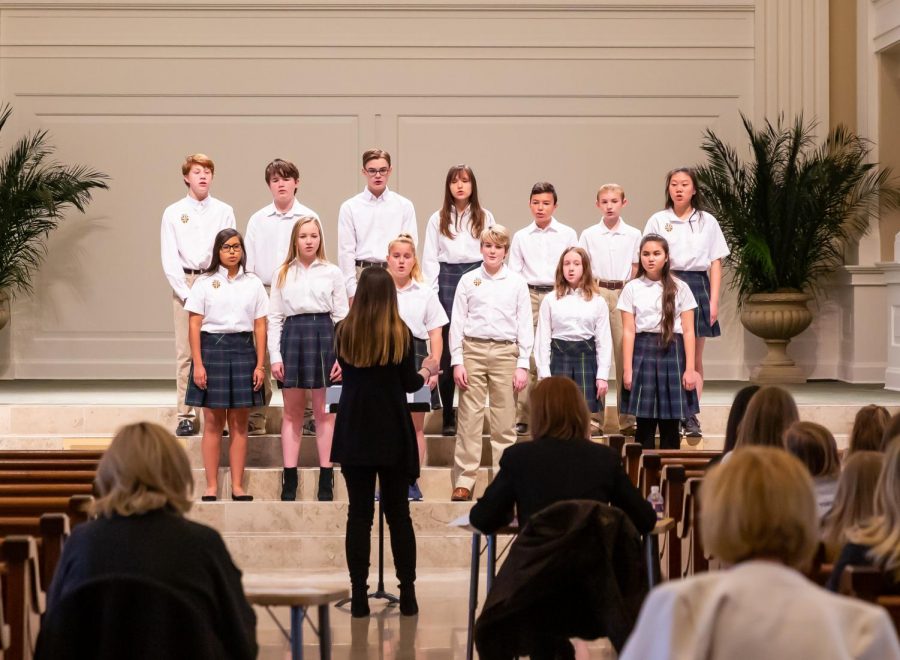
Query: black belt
[[483, 340], [538, 288], [189, 271], [370, 264], [614, 285]]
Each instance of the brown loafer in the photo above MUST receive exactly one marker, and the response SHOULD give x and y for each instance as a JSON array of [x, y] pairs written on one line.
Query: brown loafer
[[461, 495]]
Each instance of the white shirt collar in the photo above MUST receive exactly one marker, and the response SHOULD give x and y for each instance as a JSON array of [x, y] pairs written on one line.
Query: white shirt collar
[[615, 230], [369, 197], [552, 226], [197, 204], [294, 210], [224, 272], [501, 274]]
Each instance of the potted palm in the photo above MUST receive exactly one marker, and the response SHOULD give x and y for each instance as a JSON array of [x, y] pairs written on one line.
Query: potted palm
[[35, 192], [788, 214]]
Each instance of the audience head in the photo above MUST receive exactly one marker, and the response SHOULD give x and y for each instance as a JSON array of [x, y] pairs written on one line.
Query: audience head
[[759, 505], [373, 334], [868, 428], [736, 414], [144, 469], [558, 410], [891, 431], [814, 445], [770, 411], [854, 502], [882, 534]]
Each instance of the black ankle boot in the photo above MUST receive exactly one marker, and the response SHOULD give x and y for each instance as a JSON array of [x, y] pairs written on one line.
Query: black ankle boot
[[289, 484], [326, 485], [408, 604], [359, 601]]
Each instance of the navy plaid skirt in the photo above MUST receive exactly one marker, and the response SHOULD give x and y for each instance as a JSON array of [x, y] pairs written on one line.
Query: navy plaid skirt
[[307, 348], [448, 279], [229, 360], [577, 360], [420, 347], [698, 281], [656, 389]]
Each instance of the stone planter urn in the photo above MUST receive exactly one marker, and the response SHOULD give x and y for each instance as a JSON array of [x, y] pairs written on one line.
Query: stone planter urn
[[776, 318]]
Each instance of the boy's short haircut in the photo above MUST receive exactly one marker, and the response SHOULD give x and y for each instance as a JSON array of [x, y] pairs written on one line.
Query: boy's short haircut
[[197, 159], [543, 187], [374, 154], [611, 187], [496, 234], [283, 168]]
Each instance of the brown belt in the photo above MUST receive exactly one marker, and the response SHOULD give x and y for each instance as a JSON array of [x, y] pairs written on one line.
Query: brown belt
[[539, 288], [615, 285], [481, 340]]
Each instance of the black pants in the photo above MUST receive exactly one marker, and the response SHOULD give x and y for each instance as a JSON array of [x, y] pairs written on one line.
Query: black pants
[[669, 436], [445, 381], [394, 484]]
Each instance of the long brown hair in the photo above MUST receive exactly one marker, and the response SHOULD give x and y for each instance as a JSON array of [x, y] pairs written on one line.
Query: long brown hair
[[770, 412], [882, 533], [294, 253], [558, 410], [373, 334], [868, 428], [587, 285], [814, 445], [670, 288], [854, 502], [476, 213]]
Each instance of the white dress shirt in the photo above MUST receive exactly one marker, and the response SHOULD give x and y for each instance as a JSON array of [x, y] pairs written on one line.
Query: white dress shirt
[[572, 318], [463, 248], [228, 304], [643, 298], [420, 309], [366, 224], [268, 238], [492, 307], [694, 243], [612, 251], [757, 609], [187, 234], [535, 252], [318, 289]]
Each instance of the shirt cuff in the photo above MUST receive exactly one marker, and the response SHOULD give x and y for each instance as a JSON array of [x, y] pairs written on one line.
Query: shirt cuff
[[523, 363], [275, 356]]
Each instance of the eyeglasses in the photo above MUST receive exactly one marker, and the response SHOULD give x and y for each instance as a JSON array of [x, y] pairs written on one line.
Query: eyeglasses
[[236, 247], [371, 171]]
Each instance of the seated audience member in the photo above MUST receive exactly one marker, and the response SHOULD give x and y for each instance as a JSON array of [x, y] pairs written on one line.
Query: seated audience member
[[868, 428], [758, 512], [735, 416], [877, 542], [891, 431], [561, 463], [854, 502], [814, 445], [770, 412], [144, 485]]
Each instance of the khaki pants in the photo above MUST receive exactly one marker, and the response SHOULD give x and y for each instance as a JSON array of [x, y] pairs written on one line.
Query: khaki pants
[[183, 354], [523, 408], [615, 326], [490, 366]]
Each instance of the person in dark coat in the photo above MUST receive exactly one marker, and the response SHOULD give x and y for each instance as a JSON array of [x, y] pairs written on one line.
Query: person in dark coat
[[374, 433], [144, 484], [562, 463]]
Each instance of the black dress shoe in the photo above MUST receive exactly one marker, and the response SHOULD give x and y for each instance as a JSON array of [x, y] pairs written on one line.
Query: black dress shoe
[[208, 498], [242, 498], [185, 427], [521, 428], [448, 430]]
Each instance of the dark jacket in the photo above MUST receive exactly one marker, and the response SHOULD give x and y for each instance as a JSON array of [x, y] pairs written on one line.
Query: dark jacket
[[576, 570], [373, 426], [534, 475], [856, 554], [163, 546]]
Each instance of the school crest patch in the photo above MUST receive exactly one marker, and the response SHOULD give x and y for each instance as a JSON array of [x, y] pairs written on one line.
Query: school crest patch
[[477, 282], [216, 284], [185, 217]]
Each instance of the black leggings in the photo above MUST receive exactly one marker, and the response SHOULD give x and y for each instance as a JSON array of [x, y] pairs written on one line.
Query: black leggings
[[394, 484], [445, 381], [669, 436]]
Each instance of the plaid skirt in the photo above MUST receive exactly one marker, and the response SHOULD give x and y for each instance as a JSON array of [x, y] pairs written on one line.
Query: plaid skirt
[[229, 360], [420, 347], [577, 360], [656, 389], [698, 282], [448, 279], [307, 348]]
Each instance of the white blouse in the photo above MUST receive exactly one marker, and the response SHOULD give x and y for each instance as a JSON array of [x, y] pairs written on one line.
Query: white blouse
[[693, 243], [572, 318], [318, 289], [643, 298], [420, 309], [228, 304], [463, 248]]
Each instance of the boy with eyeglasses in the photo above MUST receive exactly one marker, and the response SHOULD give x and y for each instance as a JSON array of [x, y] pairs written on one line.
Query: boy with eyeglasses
[[189, 229], [367, 222]]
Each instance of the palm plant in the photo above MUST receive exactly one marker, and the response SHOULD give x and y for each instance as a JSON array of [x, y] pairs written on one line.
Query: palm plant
[[35, 192], [790, 211]]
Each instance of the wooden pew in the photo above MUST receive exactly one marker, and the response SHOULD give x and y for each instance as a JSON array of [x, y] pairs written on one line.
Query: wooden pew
[[75, 506], [634, 451], [51, 531], [23, 599], [689, 529], [867, 583], [50, 454], [652, 464], [57, 490], [47, 476]]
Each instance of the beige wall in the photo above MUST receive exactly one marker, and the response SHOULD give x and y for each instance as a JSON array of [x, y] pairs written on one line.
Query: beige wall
[[571, 92]]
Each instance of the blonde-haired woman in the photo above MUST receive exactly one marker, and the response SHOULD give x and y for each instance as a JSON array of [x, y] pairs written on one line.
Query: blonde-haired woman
[[422, 313], [758, 513], [877, 543], [308, 297], [374, 434], [144, 487], [854, 502]]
